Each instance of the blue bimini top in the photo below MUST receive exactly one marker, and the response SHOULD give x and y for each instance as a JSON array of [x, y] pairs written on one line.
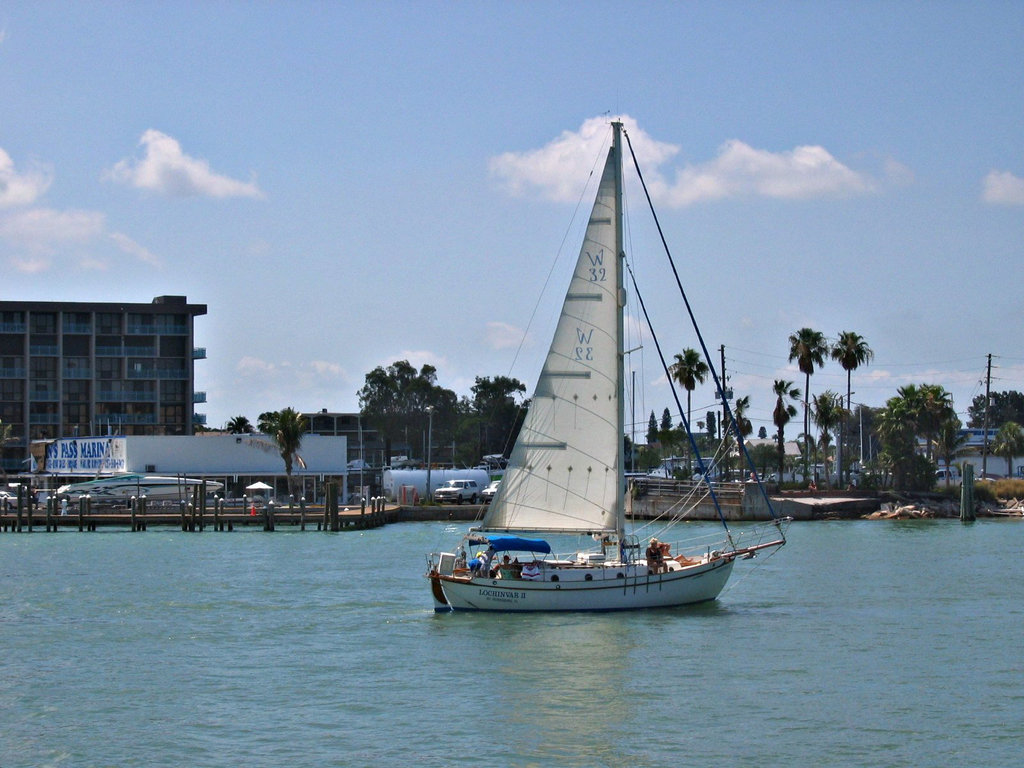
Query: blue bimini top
[[516, 544]]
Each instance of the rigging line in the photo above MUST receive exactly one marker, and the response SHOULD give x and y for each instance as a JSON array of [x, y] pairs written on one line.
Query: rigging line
[[675, 396], [696, 329]]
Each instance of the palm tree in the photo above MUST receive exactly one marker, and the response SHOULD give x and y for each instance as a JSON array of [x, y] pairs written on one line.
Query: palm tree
[[743, 425], [784, 411], [829, 414], [851, 352], [936, 407], [1009, 442], [808, 348], [286, 427], [689, 371], [239, 425], [949, 442]]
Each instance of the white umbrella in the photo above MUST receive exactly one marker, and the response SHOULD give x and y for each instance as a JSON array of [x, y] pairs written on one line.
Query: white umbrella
[[259, 486]]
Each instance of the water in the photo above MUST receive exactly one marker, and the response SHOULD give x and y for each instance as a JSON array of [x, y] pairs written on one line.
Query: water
[[859, 643]]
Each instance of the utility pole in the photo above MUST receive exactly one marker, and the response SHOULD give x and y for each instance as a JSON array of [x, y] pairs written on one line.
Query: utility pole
[[721, 428], [988, 386]]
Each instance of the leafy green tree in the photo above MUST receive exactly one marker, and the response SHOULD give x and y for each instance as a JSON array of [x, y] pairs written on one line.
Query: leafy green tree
[[829, 414], [1008, 443], [1003, 407], [915, 411], [851, 352], [689, 370], [395, 401], [652, 429], [239, 425], [497, 412], [949, 442], [286, 427], [807, 346], [784, 411]]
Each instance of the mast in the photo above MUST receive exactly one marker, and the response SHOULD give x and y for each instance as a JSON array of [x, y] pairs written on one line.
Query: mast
[[620, 498]]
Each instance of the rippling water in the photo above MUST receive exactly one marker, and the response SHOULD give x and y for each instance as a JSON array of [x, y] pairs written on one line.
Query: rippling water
[[859, 643]]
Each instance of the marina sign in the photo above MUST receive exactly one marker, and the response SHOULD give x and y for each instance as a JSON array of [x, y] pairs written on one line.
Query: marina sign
[[86, 456]]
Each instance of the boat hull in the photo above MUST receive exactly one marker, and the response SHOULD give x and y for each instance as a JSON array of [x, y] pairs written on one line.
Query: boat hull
[[605, 590]]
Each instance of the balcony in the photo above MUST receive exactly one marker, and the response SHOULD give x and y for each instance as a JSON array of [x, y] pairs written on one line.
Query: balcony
[[77, 327], [12, 373], [158, 373], [199, 353], [117, 396], [12, 327], [44, 396], [199, 418], [77, 373], [198, 397], [44, 350]]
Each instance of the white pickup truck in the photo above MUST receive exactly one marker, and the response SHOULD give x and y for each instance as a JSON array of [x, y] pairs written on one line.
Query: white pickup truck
[[457, 491]]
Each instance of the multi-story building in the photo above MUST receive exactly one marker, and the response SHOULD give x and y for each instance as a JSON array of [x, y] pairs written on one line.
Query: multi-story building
[[77, 369]]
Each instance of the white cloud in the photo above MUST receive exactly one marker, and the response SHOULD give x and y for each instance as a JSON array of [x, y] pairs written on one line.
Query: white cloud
[[558, 168], [739, 170], [503, 336], [44, 229], [21, 188], [1004, 188], [169, 171], [132, 248], [44, 233], [254, 366]]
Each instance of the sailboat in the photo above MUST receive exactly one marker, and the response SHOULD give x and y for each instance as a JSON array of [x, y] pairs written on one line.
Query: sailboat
[[566, 472]]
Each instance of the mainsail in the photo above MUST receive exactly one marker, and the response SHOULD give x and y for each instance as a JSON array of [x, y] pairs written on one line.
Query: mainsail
[[566, 469]]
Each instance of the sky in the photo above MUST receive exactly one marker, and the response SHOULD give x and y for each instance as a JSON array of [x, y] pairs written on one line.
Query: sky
[[347, 184]]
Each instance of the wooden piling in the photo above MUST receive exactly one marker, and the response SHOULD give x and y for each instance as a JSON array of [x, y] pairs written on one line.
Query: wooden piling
[[967, 511]]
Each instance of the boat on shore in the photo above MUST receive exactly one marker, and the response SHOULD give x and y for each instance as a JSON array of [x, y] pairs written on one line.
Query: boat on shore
[[124, 487], [565, 475]]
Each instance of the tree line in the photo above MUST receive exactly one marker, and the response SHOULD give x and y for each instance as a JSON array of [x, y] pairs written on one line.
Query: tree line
[[407, 406]]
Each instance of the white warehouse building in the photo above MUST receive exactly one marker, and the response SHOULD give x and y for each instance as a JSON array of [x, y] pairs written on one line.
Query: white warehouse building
[[234, 460]]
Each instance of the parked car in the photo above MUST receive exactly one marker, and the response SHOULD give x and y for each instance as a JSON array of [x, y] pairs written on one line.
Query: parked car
[[457, 491], [487, 494]]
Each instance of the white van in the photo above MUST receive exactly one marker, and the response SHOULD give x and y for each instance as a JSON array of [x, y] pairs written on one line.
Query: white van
[[943, 474]]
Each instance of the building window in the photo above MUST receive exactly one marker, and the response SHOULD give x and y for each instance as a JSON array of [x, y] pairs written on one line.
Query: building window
[[43, 368], [43, 322], [108, 368], [109, 323], [12, 389], [76, 391]]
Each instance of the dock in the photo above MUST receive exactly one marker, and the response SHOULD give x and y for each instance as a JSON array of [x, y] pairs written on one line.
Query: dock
[[139, 515]]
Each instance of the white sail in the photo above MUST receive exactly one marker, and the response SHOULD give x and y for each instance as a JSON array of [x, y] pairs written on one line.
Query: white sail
[[565, 471]]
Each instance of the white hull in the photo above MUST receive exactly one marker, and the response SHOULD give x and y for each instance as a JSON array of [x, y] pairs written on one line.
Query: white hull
[[151, 486], [608, 588]]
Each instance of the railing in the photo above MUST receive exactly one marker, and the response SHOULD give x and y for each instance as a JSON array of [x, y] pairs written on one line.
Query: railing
[[199, 418], [50, 350], [112, 395], [198, 397], [77, 327], [77, 373], [44, 395], [199, 353], [12, 373], [158, 373]]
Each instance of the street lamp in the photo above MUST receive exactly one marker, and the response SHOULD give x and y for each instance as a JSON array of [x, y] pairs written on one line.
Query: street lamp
[[430, 429]]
